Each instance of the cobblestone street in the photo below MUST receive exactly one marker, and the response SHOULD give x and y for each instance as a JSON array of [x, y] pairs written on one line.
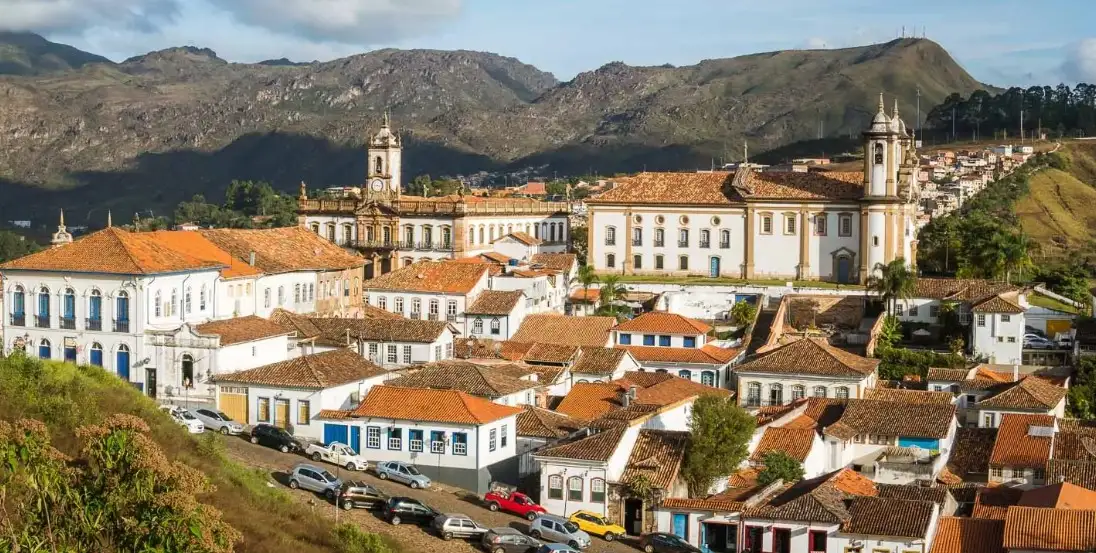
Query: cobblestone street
[[412, 538]]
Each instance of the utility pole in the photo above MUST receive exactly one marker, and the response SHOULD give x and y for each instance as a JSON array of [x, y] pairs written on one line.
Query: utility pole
[[918, 128], [953, 123], [1021, 125]]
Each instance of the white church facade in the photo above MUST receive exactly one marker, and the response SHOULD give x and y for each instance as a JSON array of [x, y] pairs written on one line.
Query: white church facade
[[752, 224]]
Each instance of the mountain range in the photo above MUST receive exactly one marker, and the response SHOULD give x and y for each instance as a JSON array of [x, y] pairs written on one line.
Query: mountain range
[[81, 131]]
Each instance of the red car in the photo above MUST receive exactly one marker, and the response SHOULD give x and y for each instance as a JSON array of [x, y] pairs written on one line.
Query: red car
[[513, 502]]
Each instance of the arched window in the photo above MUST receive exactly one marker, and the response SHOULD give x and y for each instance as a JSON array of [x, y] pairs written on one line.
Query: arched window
[[202, 298], [574, 488], [472, 237], [408, 261], [527, 231], [819, 391], [610, 260], [878, 154], [397, 305], [188, 371], [95, 310], [776, 394], [19, 306], [686, 374], [296, 293], [43, 308], [597, 490], [753, 394], [315, 227], [174, 302], [492, 233], [705, 238], [68, 309], [121, 312], [707, 378], [536, 231], [281, 296], [509, 229], [481, 234], [266, 298], [248, 289], [496, 326], [96, 357], [446, 237], [555, 487], [158, 305], [842, 392], [798, 392], [724, 239], [186, 300], [386, 235], [378, 165], [477, 326], [44, 350], [427, 235]]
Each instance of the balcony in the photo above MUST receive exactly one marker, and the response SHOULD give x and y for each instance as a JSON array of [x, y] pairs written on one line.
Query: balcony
[[753, 401], [375, 245], [41, 321], [705, 245], [637, 243], [68, 323], [660, 243], [18, 319], [610, 241], [121, 325], [683, 243], [93, 324], [724, 245], [415, 315], [433, 316]]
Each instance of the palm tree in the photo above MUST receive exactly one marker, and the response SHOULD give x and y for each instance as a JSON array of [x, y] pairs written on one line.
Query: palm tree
[[1015, 257], [892, 281], [611, 291], [586, 277]]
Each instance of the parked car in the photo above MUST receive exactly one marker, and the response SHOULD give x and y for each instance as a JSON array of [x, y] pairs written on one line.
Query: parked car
[[398, 510], [358, 494], [458, 526], [556, 548], [337, 453], [315, 479], [661, 542], [1032, 341], [402, 472], [1065, 341], [513, 502], [593, 523], [277, 438], [508, 540], [217, 421], [182, 417], [560, 530]]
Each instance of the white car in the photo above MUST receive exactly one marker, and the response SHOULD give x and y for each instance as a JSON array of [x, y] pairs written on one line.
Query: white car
[[184, 418], [338, 454], [217, 421]]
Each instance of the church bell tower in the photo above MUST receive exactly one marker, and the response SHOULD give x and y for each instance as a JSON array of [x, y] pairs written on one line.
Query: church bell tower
[[384, 153]]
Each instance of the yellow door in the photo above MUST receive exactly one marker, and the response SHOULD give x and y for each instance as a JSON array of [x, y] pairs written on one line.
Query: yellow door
[[281, 413], [233, 402], [1054, 326]]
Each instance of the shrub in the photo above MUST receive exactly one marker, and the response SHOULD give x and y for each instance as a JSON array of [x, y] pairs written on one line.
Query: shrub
[[353, 540], [779, 466]]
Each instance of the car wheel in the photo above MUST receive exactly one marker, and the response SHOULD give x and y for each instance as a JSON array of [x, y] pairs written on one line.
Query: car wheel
[[351, 467], [493, 507], [224, 430], [395, 520], [535, 534], [284, 449], [499, 550], [382, 475], [530, 516], [649, 548], [572, 544], [609, 536], [293, 485], [414, 485], [254, 440], [447, 536], [317, 457], [329, 494], [348, 505]]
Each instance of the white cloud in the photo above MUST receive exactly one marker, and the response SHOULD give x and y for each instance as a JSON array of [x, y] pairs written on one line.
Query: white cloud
[[61, 16], [1080, 64], [361, 22]]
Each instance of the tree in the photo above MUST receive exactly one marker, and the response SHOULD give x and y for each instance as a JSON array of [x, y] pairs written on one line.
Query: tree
[[779, 466], [720, 433], [14, 245], [1015, 257], [890, 334], [611, 292], [892, 281], [579, 238], [586, 277], [743, 313]]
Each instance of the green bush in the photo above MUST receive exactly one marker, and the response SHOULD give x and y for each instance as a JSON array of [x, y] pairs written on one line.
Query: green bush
[[895, 363], [353, 540]]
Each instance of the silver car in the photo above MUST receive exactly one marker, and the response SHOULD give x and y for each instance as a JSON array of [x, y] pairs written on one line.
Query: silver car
[[458, 526], [560, 530], [402, 472], [314, 479], [217, 421]]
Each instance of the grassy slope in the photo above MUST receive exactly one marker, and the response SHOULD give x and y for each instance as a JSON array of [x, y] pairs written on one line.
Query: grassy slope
[[66, 397], [1058, 213]]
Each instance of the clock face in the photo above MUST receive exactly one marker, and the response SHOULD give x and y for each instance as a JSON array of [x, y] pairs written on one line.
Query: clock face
[[377, 185]]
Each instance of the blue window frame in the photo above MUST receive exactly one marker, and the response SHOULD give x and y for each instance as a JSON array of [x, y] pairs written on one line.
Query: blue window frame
[[95, 308], [70, 354], [395, 439], [437, 442], [373, 437], [19, 303], [460, 443], [648, 339], [70, 304], [96, 355], [625, 339], [415, 440], [122, 308], [664, 341], [43, 304], [690, 342]]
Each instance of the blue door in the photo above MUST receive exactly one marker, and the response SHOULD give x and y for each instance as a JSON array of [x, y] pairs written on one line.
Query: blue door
[[714, 273], [334, 433], [681, 522], [122, 362], [844, 268], [97, 357], [355, 439], [70, 354]]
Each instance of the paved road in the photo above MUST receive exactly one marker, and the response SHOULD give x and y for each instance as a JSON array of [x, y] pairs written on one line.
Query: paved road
[[444, 499]]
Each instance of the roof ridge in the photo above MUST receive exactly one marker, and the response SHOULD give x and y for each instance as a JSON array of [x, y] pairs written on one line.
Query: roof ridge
[[312, 369]]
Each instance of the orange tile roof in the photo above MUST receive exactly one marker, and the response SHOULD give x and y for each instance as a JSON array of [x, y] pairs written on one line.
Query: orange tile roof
[[196, 245], [564, 331], [543, 423], [555, 261], [283, 250], [830, 185], [1002, 303], [664, 323], [593, 295], [419, 404], [1015, 448], [590, 400], [598, 447], [656, 456], [1062, 495], [707, 355], [989, 512], [1043, 529], [1030, 393], [796, 442], [114, 251], [430, 276], [316, 371], [522, 237], [242, 329], [723, 188], [495, 302], [667, 390], [810, 356], [968, 535], [598, 360], [959, 289], [909, 396]]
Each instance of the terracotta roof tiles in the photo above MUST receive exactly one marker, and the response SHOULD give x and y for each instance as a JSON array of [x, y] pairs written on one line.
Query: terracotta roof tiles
[[968, 535], [1081, 473], [598, 447], [935, 494], [947, 375], [1042, 529], [598, 360], [888, 418], [495, 302], [563, 330], [380, 330], [197, 246], [1002, 303], [555, 261], [1030, 394], [114, 251], [242, 329], [909, 396], [470, 378], [796, 442], [283, 250], [522, 237], [989, 512], [430, 276], [1062, 495], [1016, 447], [810, 356], [542, 423], [723, 188], [707, 355], [821, 499], [971, 451], [550, 353], [316, 371], [964, 290], [590, 400], [664, 323], [878, 516], [656, 456], [419, 404]]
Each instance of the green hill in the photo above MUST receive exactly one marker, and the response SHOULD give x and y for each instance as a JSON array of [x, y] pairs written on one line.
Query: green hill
[[30, 54], [1058, 211]]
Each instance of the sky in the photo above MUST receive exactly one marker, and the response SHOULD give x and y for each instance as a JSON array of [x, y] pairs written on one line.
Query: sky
[[1000, 42]]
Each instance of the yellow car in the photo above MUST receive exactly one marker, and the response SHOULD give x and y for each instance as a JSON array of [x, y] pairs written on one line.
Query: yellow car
[[596, 524]]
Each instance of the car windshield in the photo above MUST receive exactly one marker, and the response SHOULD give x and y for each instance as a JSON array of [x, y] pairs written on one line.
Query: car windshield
[[221, 416], [186, 415], [570, 527], [328, 476], [412, 470]]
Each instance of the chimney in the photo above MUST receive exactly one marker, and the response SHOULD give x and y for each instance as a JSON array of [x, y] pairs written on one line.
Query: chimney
[[625, 399], [1015, 372], [251, 259]]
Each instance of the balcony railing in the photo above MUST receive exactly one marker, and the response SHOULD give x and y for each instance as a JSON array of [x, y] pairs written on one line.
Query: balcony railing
[[752, 401], [415, 315], [705, 244], [41, 321], [660, 243], [376, 245], [637, 242], [683, 243], [433, 316], [18, 319], [724, 245], [68, 323], [610, 241], [94, 324], [121, 325]]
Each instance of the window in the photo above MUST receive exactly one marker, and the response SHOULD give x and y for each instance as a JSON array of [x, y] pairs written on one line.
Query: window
[[460, 443], [637, 236], [844, 225], [414, 440], [202, 299], [477, 326], [637, 261], [789, 223], [502, 433], [437, 441], [373, 347], [435, 308], [574, 488], [624, 339], [724, 239], [996, 472], [659, 262], [597, 490], [817, 541], [1012, 339], [683, 263], [842, 392], [686, 374], [264, 409], [311, 292], [44, 350], [989, 420], [1005, 318], [705, 238], [819, 391], [266, 297], [492, 440], [186, 301], [610, 236], [690, 341], [373, 437], [753, 394], [820, 222], [934, 311], [610, 261], [407, 354], [416, 308], [174, 303], [392, 355], [900, 309], [648, 339], [981, 319], [395, 439], [451, 311], [874, 240], [660, 238], [304, 412], [157, 304], [707, 378], [555, 487], [664, 341], [496, 326], [766, 224], [913, 310], [683, 238], [798, 392], [296, 293], [382, 302], [397, 305], [437, 352], [96, 357]]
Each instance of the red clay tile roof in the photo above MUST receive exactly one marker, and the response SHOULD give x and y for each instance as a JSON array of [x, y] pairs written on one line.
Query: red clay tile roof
[[821, 499], [336, 329], [1076, 440], [830, 185], [495, 302], [335, 414], [114, 251], [935, 494], [598, 360], [810, 356], [965, 290], [555, 261], [542, 423], [796, 442], [550, 353], [1062, 495], [989, 512], [599, 447], [707, 355], [877, 516], [316, 371], [418, 404], [1029, 393], [998, 496], [283, 250], [888, 418], [590, 400], [722, 188], [998, 304], [1081, 473], [968, 535], [593, 295], [909, 396], [1042, 529], [197, 246], [242, 329], [430, 276], [1016, 448], [665, 389], [971, 450], [563, 330], [664, 323], [656, 456], [470, 378], [947, 375]]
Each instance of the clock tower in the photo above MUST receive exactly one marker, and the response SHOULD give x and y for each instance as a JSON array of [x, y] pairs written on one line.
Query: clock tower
[[384, 153]]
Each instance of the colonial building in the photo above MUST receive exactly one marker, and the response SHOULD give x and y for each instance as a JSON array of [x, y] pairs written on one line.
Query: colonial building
[[393, 230], [817, 225]]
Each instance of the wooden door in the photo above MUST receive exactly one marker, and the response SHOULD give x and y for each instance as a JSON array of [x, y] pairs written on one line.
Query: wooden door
[[281, 413], [234, 404]]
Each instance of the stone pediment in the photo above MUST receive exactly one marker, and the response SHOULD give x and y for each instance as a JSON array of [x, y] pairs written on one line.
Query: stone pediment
[[374, 208]]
